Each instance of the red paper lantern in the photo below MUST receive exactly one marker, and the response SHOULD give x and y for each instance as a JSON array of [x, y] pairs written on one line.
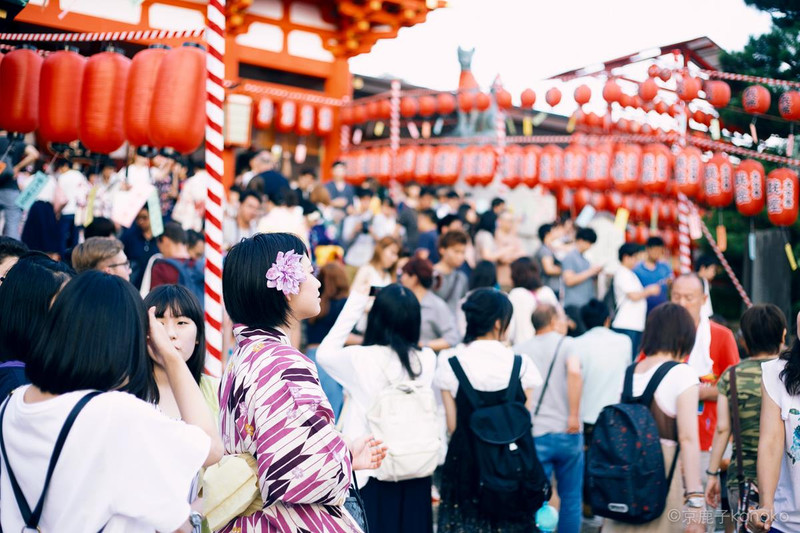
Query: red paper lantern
[[102, 123], [427, 105], [625, 167], [528, 98], [60, 96], [347, 115], [611, 91], [357, 168], [287, 116], [552, 97], [641, 235], [688, 88], [446, 165], [656, 168], [756, 99], [582, 198], [265, 113], [648, 90], [503, 98], [359, 114], [598, 201], [625, 100], [653, 70], [642, 208], [718, 181], [665, 74], [598, 161], [424, 165], [372, 109], [530, 165], [19, 90], [177, 117], [384, 109], [670, 238], [466, 101], [469, 165], [749, 184], [689, 171], [574, 166], [614, 200], [305, 119], [565, 199], [487, 164], [406, 163], [383, 173], [324, 122], [511, 166], [782, 196], [445, 103], [718, 93], [661, 107], [623, 125], [550, 163], [583, 94], [789, 105], [482, 101], [408, 107], [593, 120]]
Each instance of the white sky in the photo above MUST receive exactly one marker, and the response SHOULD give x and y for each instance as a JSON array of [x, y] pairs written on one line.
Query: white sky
[[526, 41]]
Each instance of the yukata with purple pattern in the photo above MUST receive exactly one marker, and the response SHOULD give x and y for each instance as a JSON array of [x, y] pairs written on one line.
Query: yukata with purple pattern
[[273, 407]]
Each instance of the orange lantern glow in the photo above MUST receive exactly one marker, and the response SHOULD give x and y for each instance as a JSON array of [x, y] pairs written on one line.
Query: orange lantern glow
[[718, 93], [611, 91], [427, 105], [782, 196], [648, 90], [574, 166], [789, 105], [482, 101], [552, 97], [503, 98], [625, 168], [749, 186], [688, 88], [530, 165], [718, 181], [511, 166], [265, 113], [445, 103], [582, 94], [756, 99], [406, 163], [550, 163], [20, 73], [424, 165], [408, 107], [287, 116], [466, 101], [102, 124], [528, 98], [305, 119], [324, 122], [656, 168], [689, 171], [60, 96], [446, 165], [598, 163]]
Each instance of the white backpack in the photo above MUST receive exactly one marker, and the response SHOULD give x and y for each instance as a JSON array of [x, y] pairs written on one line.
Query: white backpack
[[405, 418]]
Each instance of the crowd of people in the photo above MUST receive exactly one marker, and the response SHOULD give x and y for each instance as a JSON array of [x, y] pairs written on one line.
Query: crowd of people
[[374, 336]]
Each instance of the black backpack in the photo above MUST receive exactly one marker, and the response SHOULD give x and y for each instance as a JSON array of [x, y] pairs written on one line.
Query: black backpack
[[625, 465], [511, 480]]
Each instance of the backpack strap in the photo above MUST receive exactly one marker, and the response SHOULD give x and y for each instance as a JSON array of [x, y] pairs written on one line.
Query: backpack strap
[[736, 423], [627, 388], [32, 518], [514, 383], [547, 379], [464, 384], [649, 392]]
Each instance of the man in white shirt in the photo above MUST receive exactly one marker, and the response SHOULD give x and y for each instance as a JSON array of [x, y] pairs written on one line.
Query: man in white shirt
[[706, 269], [76, 188], [137, 174], [631, 297]]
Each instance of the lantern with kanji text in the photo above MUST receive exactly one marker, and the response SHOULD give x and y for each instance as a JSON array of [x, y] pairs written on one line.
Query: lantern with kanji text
[[782, 196], [598, 162], [424, 165], [749, 185], [305, 119], [718, 181], [789, 105], [287, 115], [689, 171], [530, 165], [756, 99], [406, 163], [656, 168], [383, 172], [487, 163], [625, 167], [446, 165], [511, 166], [265, 113], [550, 163], [574, 166], [324, 122]]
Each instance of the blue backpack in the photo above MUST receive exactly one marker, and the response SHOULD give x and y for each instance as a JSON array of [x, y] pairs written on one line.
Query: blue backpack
[[191, 276], [625, 465]]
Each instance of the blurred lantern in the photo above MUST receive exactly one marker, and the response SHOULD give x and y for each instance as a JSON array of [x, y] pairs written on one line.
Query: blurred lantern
[[581, 199], [661, 107], [347, 115], [177, 116], [625, 167], [688, 88], [611, 91], [749, 184], [469, 164], [530, 165], [503, 98], [789, 105], [359, 114], [445, 103], [665, 74], [634, 127], [102, 123], [305, 119], [466, 101], [528, 98], [357, 168], [642, 208], [689, 171], [384, 171], [482, 101], [670, 239], [487, 163], [718, 93], [384, 109], [718, 181], [20, 73], [613, 201], [552, 97], [550, 163], [565, 199], [511, 166], [372, 109], [623, 125], [60, 95], [424, 165], [427, 105], [583, 94], [140, 92], [625, 100], [598, 201], [648, 89], [408, 107], [265, 113], [406, 163], [593, 120], [653, 70], [641, 234], [598, 161], [782, 196], [446, 165], [324, 120], [574, 166], [756, 99], [287, 117], [656, 168]]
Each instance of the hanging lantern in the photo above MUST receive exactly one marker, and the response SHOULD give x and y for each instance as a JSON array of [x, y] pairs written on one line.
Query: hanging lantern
[[482, 101], [625, 167], [372, 110], [469, 165], [648, 90], [661, 107], [550, 163], [60, 95], [142, 80], [528, 98], [102, 124], [642, 208], [688, 88], [756, 99], [565, 199], [371, 161], [718, 181], [487, 164], [446, 165], [287, 116], [598, 201], [466, 101], [383, 172], [503, 98], [530, 165], [574, 166], [789, 105], [664, 74], [653, 70], [356, 168], [749, 184], [20, 73], [689, 171], [177, 117], [583, 94], [782, 196], [347, 115], [593, 120], [445, 103], [408, 107], [424, 165], [552, 97], [670, 239], [656, 168], [613, 201], [642, 233], [427, 105], [611, 91], [359, 114], [384, 109], [305, 119], [598, 162], [511, 166], [581, 199], [406, 163], [324, 122], [718, 93], [265, 113], [625, 100]]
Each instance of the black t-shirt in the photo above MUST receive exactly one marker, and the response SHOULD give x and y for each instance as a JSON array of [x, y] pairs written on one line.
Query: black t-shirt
[[11, 158]]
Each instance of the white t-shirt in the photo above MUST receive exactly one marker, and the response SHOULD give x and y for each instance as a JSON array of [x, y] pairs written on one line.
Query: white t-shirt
[[676, 382], [707, 309], [787, 495], [124, 465], [604, 356], [76, 189], [630, 314], [524, 303]]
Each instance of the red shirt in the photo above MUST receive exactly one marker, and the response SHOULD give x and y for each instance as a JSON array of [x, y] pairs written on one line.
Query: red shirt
[[724, 353]]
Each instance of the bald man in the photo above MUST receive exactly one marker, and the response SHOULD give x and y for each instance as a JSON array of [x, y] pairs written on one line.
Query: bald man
[[713, 353]]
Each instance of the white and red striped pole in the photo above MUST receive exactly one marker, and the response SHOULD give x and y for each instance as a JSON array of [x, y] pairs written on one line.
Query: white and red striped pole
[[500, 130], [684, 240], [394, 123], [215, 167]]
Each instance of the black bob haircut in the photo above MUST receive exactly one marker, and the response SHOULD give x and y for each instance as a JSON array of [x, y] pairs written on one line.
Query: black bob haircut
[[25, 298], [248, 300], [669, 329], [96, 333], [594, 314], [483, 275], [628, 249], [483, 308], [394, 321], [763, 327], [181, 302]]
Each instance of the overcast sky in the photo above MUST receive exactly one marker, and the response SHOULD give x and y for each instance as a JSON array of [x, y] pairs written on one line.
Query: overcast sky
[[526, 41]]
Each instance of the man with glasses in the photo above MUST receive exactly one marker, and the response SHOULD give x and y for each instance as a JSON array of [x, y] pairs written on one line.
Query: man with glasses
[[105, 254]]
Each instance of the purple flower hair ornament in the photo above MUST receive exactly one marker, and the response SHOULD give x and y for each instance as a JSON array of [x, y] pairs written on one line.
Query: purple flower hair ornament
[[286, 273]]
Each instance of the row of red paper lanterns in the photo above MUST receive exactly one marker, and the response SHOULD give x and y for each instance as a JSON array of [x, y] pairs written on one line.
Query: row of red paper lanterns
[[624, 169], [290, 115], [156, 99]]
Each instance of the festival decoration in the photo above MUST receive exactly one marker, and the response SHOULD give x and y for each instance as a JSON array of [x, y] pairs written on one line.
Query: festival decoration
[[102, 123], [625, 167], [656, 168], [528, 98], [550, 163], [552, 97], [324, 122], [789, 105], [409, 107], [446, 165], [756, 99], [688, 88], [60, 95], [749, 187], [445, 103], [482, 101], [466, 101], [574, 166], [583, 94], [598, 161], [689, 171], [424, 165], [718, 93], [305, 119], [611, 91], [530, 165], [782, 197], [503, 98], [718, 181], [648, 90], [19, 90]]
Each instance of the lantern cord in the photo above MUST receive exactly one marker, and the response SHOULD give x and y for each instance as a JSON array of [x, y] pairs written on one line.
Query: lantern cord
[[754, 79]]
